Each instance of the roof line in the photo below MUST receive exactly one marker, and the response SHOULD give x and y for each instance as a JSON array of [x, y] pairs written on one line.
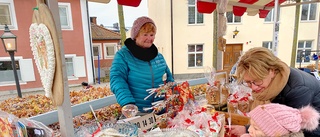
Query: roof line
[[106, 29]]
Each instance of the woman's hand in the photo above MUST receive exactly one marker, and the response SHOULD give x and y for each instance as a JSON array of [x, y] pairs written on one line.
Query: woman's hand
[[245, 135], [237, 130]]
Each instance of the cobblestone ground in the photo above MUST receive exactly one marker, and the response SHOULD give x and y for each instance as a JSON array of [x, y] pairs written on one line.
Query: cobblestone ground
[[4, 95]]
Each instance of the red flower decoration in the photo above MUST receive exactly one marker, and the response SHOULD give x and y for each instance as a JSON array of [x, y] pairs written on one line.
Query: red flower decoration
[[244, 99], [215, 116], [213, 130], [203, 109]]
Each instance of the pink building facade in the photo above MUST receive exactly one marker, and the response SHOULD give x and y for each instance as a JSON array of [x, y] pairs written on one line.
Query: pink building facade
[[77, 43]]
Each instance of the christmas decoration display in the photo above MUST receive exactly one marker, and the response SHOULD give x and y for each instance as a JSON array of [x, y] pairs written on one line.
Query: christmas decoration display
[[182, 112], [215, 93], [43, 52], [196, 118], [239, 99], [45, 44], [176, 95]]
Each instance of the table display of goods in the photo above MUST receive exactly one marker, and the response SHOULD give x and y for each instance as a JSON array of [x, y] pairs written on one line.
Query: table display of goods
[[33, 105], [188, 111], [11, 126], [184, 112]]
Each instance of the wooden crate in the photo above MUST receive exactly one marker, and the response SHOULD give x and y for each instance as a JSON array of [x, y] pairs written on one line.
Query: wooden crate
[[237, 119]]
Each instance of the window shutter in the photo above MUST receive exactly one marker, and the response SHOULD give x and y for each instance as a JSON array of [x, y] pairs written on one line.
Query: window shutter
[[79, 67], [26, 70]]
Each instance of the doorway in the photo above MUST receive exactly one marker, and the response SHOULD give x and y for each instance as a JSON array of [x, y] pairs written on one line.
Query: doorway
[[231, 55]]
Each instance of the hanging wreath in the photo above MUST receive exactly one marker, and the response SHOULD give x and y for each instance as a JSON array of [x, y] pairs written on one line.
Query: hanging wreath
[[43, 52]]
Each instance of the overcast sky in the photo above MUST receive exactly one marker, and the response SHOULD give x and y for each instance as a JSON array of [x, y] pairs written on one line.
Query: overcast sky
[[107, 14]]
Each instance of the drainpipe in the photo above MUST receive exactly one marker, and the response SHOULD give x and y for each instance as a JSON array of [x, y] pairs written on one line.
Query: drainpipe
[[90, 45], [171, 13], [275, 28]]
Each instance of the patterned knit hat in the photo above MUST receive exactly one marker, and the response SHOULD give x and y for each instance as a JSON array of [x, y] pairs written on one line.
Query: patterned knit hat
[[137, 24], [277, 120]]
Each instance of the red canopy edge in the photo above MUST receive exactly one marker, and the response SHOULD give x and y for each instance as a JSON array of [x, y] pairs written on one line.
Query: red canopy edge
[[206, 7], [239, 11], [239, 7], [133, 3], [248, 1]]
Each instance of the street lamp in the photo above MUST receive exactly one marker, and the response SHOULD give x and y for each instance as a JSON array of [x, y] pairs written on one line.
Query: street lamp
[[235, 33], [9, 41]]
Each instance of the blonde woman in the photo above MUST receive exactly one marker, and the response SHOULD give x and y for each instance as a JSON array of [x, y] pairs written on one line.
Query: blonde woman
[[273, 81]]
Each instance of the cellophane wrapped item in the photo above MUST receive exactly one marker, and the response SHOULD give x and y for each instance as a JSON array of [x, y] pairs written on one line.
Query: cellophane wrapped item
[[107, 129], [175, 96], [239, 99], [12, 126], [213, 95], [7, 124], [38, 125], [199, 91], [213, 87], [196, 118]]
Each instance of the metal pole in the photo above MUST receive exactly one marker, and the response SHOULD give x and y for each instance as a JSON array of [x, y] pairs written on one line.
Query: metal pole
[[11, 53], [171, 25], [98, 68], [90, 48], [275, 28], [318, 45]]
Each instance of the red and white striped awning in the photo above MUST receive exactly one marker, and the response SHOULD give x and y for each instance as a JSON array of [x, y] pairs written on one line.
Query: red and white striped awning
[[239, 7]]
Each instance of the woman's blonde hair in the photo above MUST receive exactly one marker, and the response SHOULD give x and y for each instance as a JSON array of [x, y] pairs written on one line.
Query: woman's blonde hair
[[146, 28], [257, 62]]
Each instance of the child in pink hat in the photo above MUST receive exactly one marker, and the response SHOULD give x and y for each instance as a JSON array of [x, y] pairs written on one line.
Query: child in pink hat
[[276, 120]]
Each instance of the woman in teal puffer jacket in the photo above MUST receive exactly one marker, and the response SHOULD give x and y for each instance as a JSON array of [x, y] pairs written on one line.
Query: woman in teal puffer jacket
[[138, 66]]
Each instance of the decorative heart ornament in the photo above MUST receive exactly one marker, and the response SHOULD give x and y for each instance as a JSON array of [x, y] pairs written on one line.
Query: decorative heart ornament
[[43, 52]]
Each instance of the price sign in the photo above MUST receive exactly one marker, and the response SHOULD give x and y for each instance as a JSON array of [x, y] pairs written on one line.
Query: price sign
[[145, 122]]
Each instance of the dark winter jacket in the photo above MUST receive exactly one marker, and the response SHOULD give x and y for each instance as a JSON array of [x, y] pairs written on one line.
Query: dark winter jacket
[[301, 89]]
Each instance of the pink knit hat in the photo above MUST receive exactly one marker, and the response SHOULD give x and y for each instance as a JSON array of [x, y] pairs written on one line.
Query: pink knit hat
[[137, 24], [277, 120]]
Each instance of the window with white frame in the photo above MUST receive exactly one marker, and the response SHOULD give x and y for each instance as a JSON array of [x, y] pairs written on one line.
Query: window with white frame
[[195, 55], [110, 49], [65, 16], [24, 67], [308, 11], [6, 70], [267, 44], [232, 19], [304, 51], [97, 50], [194, 17], [7, 14], [270, 16], [75, 66], [69, 67]]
